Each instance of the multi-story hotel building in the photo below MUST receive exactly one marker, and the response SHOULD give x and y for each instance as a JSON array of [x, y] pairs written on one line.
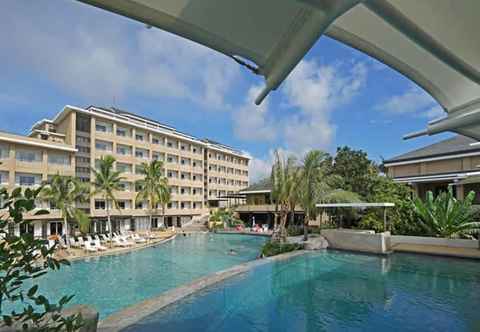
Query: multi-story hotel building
[[199, 171]]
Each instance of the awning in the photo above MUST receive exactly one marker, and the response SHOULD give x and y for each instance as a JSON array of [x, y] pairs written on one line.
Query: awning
[[469, 180], [433, 42], [354, 205]]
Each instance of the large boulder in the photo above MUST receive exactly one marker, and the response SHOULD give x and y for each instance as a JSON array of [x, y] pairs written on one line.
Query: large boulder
[[315, 243]]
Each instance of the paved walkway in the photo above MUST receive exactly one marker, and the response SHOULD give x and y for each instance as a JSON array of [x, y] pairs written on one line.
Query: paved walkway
[[437, 250]]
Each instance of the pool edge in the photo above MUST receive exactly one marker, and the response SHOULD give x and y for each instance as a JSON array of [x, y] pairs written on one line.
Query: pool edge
[[135, 313]]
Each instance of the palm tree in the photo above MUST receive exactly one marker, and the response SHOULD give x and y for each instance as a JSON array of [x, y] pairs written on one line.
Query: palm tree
[[64, 192], [106, 182], [312, 185], [154, 187], [284, 178]]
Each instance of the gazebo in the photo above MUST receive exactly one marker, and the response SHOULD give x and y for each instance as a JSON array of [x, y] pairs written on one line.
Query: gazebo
[[361, 206]]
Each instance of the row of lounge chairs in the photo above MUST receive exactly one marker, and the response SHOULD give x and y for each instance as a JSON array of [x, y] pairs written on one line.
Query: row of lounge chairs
[[94, 243]]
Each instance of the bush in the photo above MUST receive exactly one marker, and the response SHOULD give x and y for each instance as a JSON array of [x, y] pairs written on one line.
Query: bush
[[371, 221], [275, 248], [294, 230]]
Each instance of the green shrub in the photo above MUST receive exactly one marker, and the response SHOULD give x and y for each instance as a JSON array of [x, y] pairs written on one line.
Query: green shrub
[[371, 221], [276, 248], [294, 230]]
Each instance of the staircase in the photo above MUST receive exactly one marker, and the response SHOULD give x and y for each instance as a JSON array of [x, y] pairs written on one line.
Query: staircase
[[197, 224]]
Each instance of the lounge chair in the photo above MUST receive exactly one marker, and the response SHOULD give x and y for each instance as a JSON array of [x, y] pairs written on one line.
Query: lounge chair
[[62, 243], [89, 247], [98, 245], [138, 239], [118, 243], [125, 240], [104, 237], [80, 241], [50, 244], [97, 237]]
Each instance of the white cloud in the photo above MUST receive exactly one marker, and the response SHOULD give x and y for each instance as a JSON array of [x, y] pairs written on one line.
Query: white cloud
[[101, 61], [316, 91], [414, 101], [250, 122], [259, 169]]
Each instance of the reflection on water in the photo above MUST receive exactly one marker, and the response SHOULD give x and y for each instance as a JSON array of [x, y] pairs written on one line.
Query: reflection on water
[[336, 291]]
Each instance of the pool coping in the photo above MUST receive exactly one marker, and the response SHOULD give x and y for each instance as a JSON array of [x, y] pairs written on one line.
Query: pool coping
[[136, 312]]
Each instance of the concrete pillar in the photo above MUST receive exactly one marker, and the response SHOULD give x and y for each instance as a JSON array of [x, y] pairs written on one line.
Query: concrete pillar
[[460, 191]]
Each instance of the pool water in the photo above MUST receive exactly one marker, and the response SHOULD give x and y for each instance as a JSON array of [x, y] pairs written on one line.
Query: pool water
[[335, 291], [112, 283]]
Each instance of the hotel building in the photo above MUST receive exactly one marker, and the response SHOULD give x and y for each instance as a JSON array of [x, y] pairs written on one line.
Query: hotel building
[[199, 171], [454, 162]]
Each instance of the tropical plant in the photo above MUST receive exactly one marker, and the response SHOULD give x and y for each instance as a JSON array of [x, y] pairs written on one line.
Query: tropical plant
[[445, 216], [225, 217], [272, 248], [23, 259], [401, 217], [64, 192], [153, 188], [311, 185], [106, 183], [284, 179]]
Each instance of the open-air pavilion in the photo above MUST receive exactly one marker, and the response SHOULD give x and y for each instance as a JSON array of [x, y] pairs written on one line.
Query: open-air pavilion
[[433, 42], [362, 205]]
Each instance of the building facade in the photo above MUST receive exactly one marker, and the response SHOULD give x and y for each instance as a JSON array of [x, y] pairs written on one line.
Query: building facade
[[199, 171], [454, 162]]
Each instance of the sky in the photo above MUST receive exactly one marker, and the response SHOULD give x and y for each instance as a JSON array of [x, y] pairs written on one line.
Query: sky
[[61, 52]]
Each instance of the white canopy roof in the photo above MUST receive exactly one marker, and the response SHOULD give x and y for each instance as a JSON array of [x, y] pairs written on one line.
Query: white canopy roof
[[355, 205], [433, 42]]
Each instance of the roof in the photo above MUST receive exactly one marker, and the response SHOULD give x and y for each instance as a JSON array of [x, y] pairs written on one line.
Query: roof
[[263, 185], [430, 41], [27, 140], [356, 205], [456, 145]]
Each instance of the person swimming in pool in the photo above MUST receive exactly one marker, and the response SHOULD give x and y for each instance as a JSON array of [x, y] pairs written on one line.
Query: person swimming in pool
[[232, 252]]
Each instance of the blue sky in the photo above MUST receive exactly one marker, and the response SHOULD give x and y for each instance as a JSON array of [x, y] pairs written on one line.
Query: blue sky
[[63, 52]]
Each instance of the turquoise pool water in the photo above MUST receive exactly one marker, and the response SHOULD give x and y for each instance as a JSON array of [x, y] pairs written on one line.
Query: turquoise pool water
[[335, 291], [112, 283]]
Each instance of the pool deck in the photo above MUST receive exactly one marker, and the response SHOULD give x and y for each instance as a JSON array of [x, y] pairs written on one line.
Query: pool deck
[[73, 254], [470, 253], [135, 313]]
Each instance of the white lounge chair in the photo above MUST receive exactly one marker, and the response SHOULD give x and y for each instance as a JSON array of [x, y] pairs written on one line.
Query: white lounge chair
[[138, 239], [125, 240], [50, 244], [118, 243], [80, 241], [98, 245], [89, 247]]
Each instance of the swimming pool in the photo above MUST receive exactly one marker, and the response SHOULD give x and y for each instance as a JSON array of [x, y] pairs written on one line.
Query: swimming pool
[[111, 283], [334, 291]]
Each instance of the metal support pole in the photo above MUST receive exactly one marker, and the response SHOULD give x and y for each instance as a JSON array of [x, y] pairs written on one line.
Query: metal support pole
[[385, 219]]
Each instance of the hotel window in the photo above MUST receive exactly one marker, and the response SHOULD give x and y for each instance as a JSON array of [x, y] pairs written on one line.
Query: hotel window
[[124, 150], [83, 149], [4, 151], [123, 132], [26, 179], [79, 169], [103, 127], [124, 204], [156, 140], [100, 204], [103, 145], [3, 177], [59, 159], [141, 153], [158, 156], [29, 156], [125, 186], [124, 167], [139, 136], [139, 169]]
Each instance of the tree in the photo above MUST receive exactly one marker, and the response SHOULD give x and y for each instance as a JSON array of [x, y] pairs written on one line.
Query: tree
[[311, 185], [401, 217], [354, 167], [64, 192], [106, 183], [284, 178], [23, 259], [445, 216], [153, 187]]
